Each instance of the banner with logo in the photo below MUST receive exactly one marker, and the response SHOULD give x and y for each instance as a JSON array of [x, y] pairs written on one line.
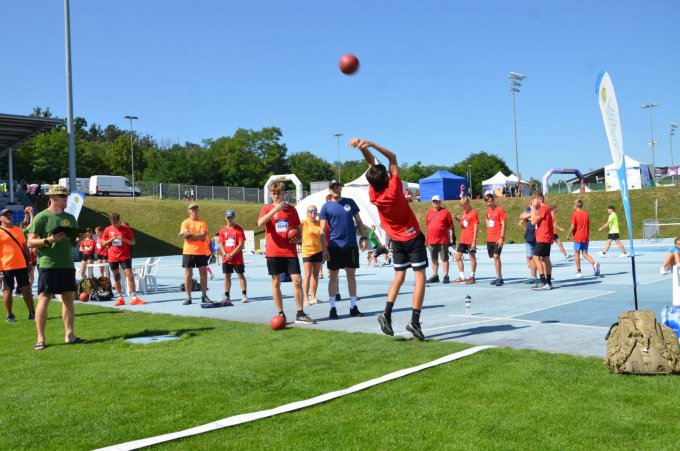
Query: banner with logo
[[75, 203], [612, 125]]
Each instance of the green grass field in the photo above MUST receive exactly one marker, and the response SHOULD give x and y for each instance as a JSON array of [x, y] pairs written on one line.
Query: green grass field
[[156, 222], [109, 391]]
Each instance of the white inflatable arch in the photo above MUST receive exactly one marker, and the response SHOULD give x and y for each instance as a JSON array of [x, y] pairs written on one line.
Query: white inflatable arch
[[282, 178]]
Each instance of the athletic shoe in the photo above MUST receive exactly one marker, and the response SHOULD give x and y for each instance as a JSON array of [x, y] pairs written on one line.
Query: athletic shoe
[[470, 281], [187, 302], [597, 269], [459, 280], [385, 324], [120, 301], [538, 285], [414, 328], [663, 271], [31, 316], [244, 299], [338, 298], [11, 318], [493, 282], [568, 258], [543, 287], [137, 301], [433, 279], [304, 318], [624, 255], [530, 281], [206, 300], [446, 279], [226, 303], [579, 275], [354, 311], [602, 254], [333, 313], [499, 282], [225, 299]]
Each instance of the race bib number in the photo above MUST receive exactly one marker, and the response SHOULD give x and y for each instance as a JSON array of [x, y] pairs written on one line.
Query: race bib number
[[491, 222], [117, 242], [281, 226], [465, 223], [230, 242], [99, 246]]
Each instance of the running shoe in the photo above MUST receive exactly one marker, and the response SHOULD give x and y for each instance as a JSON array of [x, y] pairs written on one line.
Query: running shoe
[[333, 313], [446, 279], [597, 269], [433, 279], [206, 300], [137, 301], [414, 328], [493, 282], [624, 255], [11, 318], [304, 318], [470, 281], [579, 275], [187, 302], [354, 311], [244, 299], [120, 301], [499, 282], [31, 316], [663, 271], [459, 280], [602, 254], [385, 324], [543, 287]]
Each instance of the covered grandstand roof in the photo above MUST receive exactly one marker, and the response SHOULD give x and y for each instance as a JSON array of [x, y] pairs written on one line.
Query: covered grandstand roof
[[15, 129]]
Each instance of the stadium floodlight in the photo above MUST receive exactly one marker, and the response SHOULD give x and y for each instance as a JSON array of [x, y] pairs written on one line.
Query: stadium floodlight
[[652, 143], [338, 135], [132, 153], [671, 133], [515, 84]]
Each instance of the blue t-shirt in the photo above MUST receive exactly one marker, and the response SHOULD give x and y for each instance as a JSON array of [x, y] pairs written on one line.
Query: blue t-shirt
[[340, 217], [530, 231]]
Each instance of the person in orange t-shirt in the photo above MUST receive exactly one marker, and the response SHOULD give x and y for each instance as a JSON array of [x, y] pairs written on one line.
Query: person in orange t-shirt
[[100, 250], [542, 217], [195, 252], [469, 226], [495, 235], [580, 228], [14, 260], [87, 249]]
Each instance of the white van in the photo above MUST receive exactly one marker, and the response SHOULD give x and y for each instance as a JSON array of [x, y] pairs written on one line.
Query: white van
[[82, 184], [111, 185]]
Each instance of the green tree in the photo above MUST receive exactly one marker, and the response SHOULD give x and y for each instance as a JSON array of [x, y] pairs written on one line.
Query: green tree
[[310, 168], [483, 166], [351, 170], [418, 171]]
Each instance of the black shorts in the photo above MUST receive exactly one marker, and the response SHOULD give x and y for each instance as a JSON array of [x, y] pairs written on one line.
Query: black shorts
[[102, 257], [613, 236], [21, 276], [410, 254], [343, 257], [542, 249], [316, 258], [228, 268], [125, 264], [465, 249], [439, 251], [380, 250], [56, 280], [493, 248], [87, 257], [556, 237], [283, 265], [194, 261]]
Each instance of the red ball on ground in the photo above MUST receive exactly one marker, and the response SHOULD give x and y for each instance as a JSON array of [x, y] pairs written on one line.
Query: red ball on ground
[[292, 233], [84, 297], [349, 64], [278, 322]]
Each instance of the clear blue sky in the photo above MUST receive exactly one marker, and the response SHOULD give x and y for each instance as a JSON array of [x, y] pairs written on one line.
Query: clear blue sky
[[432, 87]]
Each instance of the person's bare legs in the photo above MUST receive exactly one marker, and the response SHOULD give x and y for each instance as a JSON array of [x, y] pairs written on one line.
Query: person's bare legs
[[203, 276], [351, 274], [445, 266], [497, 265], [41, 315], [297, 290], [577, 260], [332, 282], [68, 315], [276, 292], [188, 275], [7, 301], [307, 266], [116, 281], [620, 245], [27, 294], [227, 283], [435, 267], [129, 276], [418, 288], [395, 286]]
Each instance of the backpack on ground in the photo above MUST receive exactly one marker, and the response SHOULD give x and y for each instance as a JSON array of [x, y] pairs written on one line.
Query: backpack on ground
[[638, 344], [89, 286], [194, 283], [105, 291]]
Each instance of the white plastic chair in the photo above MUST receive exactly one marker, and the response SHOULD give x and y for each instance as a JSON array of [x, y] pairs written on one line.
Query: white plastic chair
[[138, 273], [150, 271]]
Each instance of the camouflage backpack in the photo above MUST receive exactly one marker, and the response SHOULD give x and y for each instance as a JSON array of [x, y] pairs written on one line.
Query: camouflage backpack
[[105, 291], [89, 286], [637, 344]]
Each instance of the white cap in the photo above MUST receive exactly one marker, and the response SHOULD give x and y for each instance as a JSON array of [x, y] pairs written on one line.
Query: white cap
[[436, 197]]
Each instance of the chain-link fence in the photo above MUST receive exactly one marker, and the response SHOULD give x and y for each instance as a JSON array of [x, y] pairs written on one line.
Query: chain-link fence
[[198, 192]]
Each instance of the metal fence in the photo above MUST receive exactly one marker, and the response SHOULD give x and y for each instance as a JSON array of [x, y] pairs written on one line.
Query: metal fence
[[198, 192]]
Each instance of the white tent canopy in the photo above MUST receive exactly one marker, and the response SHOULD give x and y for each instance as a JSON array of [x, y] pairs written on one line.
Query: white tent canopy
[[498, 179], [512, 180]]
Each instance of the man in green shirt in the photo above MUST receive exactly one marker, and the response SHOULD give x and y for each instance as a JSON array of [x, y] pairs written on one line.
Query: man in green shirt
[[613, 224], [56, 273], [378, 248]]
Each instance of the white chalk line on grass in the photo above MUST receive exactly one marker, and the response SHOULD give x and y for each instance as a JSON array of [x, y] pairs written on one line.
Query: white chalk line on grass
[[248, 417], [488, 319]]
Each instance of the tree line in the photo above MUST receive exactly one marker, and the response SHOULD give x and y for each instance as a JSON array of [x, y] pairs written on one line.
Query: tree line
[[247, 158]]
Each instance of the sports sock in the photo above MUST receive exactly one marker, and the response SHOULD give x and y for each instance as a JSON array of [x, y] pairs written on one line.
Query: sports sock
[[548, 279], [352, 301], [388, 308], [461, 275], [542, 278], [243, 292], [226, 294], [415, 316], [300, 312], [331, 300], [472, 275]]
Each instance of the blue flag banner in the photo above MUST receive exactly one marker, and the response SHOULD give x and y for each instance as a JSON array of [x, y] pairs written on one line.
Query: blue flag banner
[[612, 126]]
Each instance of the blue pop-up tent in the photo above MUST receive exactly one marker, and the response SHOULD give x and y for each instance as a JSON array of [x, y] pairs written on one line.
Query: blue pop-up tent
[[442, 183]]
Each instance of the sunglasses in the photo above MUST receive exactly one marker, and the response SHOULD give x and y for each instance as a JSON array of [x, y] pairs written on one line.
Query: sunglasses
[[311, 211]]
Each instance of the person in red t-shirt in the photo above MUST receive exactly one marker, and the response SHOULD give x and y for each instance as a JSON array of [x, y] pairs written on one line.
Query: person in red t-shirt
[[118, 238], [495, 235], [232, 239], [541, 216], [100, 250], [440, 235], [87, 248], [580, 228], [469, 226], [278, 218], [400, 224]]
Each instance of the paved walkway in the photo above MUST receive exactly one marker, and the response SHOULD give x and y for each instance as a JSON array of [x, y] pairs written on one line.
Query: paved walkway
[[573, 318]]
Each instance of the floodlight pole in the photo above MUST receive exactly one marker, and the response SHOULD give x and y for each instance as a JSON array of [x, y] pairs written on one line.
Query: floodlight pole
[[670, 140], [132, 153], [69, 99], [338, 135], [652, 143], [515, 84]]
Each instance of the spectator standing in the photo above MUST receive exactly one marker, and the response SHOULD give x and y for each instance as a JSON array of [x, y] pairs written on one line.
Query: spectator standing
[[101, 251], [530, 245], [469, 227], [613, 225], [232, 240], [14, 260], [580, 228], [87, 250], [195, 252], [495, 235], [541, 216], [312, 254], [440, 235], [118, 238]]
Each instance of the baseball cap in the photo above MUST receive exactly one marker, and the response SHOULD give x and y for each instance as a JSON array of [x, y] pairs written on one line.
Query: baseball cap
[[333, 183], [192, 205], [230, 214], [57, 190], [5, 211], [436, 198]]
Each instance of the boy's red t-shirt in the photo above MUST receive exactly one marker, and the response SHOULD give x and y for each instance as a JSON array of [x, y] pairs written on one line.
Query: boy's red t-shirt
[[277, 243], [396, 217]]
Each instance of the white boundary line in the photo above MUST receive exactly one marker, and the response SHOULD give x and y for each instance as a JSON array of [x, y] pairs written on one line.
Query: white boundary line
[[247, 417]]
